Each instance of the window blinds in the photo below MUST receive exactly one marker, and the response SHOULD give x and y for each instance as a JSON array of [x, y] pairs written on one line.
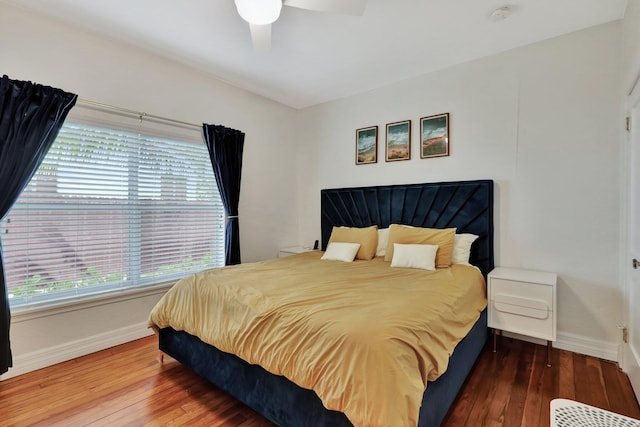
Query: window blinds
[[111, 209]]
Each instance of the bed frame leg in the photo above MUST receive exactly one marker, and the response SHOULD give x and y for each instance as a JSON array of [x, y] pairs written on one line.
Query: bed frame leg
[[548, 354], [495, 334]]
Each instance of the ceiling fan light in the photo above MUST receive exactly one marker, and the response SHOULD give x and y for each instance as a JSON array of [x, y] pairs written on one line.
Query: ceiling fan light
[[259, 12]]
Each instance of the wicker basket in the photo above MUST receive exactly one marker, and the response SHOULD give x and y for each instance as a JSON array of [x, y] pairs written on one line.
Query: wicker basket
[[567, 413]]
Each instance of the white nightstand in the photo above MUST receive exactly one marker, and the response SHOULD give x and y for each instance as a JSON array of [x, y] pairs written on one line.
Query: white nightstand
[[292, 250], [523, 302]]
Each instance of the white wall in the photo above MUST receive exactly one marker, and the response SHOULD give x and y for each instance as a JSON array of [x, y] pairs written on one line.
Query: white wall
[[543, 122], [103, 70]]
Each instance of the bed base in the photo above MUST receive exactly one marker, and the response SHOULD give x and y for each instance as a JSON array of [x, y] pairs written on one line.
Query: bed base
[[287, 404]]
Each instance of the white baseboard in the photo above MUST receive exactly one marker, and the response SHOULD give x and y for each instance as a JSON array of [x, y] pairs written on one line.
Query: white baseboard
[[582, 345], [61, 353], [578, 344]]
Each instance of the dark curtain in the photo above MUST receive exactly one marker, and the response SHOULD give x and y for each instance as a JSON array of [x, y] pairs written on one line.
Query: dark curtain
[[30, 117], [225, 150]]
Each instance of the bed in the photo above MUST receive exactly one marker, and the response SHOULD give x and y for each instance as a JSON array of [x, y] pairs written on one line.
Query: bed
[[465, 205]]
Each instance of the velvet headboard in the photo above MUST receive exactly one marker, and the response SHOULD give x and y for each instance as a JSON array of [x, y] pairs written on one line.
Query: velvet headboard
[[467, 205]]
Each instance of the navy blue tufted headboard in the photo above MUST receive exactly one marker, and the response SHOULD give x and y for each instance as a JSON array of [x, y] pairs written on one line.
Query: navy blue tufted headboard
[[467, 205]]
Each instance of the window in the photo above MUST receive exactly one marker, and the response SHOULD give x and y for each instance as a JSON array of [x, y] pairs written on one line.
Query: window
[[113, 208]]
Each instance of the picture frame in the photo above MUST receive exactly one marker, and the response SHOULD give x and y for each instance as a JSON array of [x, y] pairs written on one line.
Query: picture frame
[[434, 136], [398, 141], [367, 145]]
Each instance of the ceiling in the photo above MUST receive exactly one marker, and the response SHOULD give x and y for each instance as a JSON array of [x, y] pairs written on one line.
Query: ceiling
[[317, 57]]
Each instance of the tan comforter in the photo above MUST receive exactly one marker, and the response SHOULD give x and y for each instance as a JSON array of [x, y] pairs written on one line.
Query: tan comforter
[[364, 336]]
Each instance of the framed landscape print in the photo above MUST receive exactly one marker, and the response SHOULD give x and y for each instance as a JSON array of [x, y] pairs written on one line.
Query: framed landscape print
[[434, 136], [398, 146], [367, 145]]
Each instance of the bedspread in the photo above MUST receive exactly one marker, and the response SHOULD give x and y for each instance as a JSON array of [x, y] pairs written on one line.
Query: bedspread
[[364, 336]]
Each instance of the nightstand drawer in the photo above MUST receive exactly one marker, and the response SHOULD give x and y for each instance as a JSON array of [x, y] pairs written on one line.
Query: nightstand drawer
[[528, 292], [524, 324], [521, 306]]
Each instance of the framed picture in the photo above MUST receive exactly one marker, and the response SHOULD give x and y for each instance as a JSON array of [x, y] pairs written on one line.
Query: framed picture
[[434, 136], [367, 145], [398, 145]]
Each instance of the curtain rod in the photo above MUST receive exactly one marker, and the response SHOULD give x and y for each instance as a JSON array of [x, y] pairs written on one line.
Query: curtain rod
[[136, 113]]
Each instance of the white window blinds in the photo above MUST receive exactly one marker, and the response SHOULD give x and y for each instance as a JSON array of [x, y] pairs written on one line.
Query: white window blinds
[[110, 209]]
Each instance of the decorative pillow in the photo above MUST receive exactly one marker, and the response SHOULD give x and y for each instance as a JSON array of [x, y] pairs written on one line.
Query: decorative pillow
[[443, 238], [340, 251], [383, 239], [462, 248], [367, 238], [414, 256]]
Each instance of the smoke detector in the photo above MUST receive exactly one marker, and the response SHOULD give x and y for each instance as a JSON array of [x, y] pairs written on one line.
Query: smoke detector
[[501, 13]]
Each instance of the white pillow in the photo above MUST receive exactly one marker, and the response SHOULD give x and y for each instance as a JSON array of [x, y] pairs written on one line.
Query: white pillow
[[340, 251], [462, 248], [383, 239], [414, 256]]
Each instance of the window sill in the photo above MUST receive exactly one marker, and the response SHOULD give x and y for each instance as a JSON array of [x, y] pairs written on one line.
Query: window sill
[[19, 314]]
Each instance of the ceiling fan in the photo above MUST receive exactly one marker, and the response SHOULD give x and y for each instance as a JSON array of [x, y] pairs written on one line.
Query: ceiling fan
[[260, 14]]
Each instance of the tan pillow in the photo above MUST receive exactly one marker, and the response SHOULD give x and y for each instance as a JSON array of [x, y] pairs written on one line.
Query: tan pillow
[[443, 238], [367, 237]]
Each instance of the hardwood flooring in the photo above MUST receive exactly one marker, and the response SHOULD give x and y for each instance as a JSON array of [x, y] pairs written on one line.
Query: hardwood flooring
[[127, 385]]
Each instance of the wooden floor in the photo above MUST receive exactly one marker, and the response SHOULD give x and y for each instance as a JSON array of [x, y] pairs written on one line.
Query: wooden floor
[[126, 385]]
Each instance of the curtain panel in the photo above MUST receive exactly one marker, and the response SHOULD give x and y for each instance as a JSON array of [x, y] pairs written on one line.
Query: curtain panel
[[30, 117], [225, 147]]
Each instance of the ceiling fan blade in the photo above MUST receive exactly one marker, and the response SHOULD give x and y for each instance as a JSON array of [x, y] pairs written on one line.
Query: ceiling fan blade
[[261, 37], [347, 7]]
